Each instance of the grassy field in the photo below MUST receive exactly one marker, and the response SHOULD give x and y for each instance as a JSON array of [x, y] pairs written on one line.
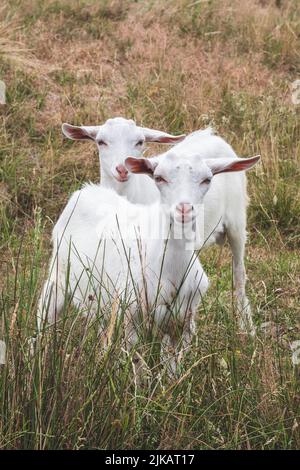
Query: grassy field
[[177, 65]]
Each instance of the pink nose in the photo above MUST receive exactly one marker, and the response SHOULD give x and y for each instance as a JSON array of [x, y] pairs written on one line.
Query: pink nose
[[184, 208], [123, 172]]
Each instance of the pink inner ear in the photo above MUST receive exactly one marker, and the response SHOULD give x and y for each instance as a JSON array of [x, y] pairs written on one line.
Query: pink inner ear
[[240, 165], [166, 139], [138, 165], [78, 133]]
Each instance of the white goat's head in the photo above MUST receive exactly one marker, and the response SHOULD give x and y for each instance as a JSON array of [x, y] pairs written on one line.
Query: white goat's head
[[184, 181], [116, 139]]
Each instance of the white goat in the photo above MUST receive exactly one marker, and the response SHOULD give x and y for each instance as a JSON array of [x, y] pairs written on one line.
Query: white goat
[[158, 275], [116, 139], [225, 209], [225, 204]]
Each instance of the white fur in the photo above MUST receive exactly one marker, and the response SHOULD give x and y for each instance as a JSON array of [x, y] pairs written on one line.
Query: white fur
[[159, 276], [225, 212], [225, 204], [117, 139], [163, 279], [225, 207]]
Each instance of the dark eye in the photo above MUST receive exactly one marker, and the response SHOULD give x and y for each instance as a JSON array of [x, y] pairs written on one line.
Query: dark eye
[[139, 142], [101, 142], [159, 179], [206, 181]]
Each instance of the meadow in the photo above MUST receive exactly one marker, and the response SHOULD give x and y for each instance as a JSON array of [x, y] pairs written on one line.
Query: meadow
[[176, 65]]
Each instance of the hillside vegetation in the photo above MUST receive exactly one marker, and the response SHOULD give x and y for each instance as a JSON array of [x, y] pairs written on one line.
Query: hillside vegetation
[[176, 65]]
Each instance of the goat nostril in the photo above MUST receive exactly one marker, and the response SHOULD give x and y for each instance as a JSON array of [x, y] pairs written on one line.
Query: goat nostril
[[122, 170], [184, 207]]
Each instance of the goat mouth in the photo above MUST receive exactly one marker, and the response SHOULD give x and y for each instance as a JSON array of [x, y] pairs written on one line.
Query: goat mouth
[[121, 179], [184, 218]]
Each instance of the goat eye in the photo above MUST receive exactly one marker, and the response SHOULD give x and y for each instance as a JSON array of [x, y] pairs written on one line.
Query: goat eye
[[206, 181], [101, 142], [139, 142], [159, 179]]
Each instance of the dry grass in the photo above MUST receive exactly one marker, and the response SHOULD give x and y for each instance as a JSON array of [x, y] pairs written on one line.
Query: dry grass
[[178, 65]]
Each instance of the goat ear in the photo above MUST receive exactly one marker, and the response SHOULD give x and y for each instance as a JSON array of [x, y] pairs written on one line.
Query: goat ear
[[224, 165], [79, 132], [144, 166], [151, 135]]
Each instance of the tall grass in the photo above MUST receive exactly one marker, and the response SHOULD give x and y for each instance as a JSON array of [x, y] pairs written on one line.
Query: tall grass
[[179, 67], [231, 392]]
